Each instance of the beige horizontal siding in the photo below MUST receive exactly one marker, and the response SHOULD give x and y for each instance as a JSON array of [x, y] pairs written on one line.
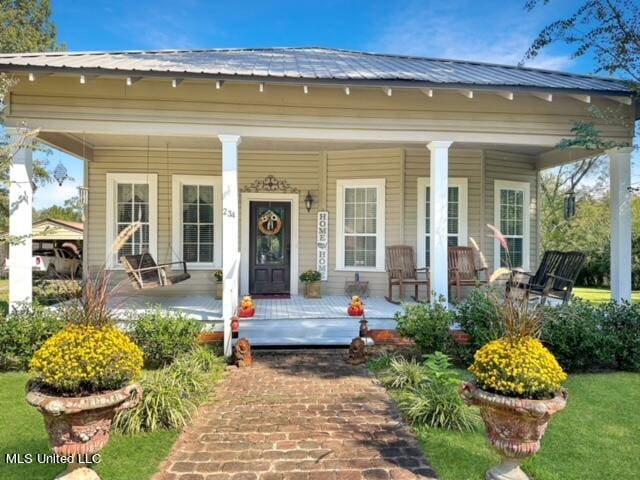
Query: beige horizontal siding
[[154, 101], [303, 171], [365, 164]]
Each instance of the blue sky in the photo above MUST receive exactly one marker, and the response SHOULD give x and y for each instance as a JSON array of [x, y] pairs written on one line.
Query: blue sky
[[488, 30]]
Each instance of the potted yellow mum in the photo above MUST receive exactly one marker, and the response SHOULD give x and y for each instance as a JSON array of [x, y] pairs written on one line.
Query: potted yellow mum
[[82, 376], [517, 386]]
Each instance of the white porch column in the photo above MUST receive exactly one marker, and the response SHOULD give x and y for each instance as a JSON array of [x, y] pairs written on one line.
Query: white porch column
[[20, 205], [230, 247], [620, 181], [438, 215]]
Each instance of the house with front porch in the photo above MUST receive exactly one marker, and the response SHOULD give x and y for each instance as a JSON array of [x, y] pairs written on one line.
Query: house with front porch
[[238, 159]]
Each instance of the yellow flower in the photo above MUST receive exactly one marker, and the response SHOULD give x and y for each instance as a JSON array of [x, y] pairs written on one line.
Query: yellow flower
[[87, 358], [518, 368]]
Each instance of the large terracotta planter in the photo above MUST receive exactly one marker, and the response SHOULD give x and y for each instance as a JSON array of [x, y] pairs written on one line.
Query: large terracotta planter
[[312, 290], [514, 426], [81, 426]]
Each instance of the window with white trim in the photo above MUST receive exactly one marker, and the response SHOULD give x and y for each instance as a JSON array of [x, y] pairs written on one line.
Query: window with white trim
[[131, 197], [457, 216], [512, 219], [196, 220], [360, 224]]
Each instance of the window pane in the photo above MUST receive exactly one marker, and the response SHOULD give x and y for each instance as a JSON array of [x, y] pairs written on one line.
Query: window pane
[[206, 194], [190, 213], [372, 195], [206, 252], [190, 252], [190, 234], [206, 214], [125, 212], [141, 213], [206, 233], [124, 192], [141, 193], [189, 194], [349, 195]]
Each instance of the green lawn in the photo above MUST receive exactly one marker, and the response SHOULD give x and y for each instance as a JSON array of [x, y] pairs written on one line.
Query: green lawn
[[599, 295], [596, 437], [125, 458]]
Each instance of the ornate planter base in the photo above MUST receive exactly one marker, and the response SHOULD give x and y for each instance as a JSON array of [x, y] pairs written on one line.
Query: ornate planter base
[[514, 426], [509, 469], [81, 426], [78, 472]]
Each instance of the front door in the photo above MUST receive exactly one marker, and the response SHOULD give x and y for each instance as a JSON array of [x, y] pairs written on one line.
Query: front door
[[269, 248]]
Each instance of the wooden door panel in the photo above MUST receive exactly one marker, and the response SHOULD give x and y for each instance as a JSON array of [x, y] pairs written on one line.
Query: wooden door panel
[[269, 248]]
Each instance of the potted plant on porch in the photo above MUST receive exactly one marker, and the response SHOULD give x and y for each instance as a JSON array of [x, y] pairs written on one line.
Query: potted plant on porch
[[517, 384], [83, 375], [217, 274], [312, 285]]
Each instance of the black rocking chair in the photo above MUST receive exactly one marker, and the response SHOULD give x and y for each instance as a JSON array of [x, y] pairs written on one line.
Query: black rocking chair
[[554, 278]]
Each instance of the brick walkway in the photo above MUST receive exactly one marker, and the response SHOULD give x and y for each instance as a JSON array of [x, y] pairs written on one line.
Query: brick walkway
[[297, 416]]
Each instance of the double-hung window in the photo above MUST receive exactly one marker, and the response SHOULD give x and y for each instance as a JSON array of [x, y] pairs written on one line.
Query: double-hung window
[[360, 225], [196, 226], [131, 197], [512, 219], [457, 216]]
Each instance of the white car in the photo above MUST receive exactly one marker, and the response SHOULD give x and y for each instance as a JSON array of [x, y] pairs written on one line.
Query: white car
[[55, 262]]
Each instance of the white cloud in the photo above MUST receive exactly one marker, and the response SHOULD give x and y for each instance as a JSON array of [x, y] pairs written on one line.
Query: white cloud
[[501, 34]]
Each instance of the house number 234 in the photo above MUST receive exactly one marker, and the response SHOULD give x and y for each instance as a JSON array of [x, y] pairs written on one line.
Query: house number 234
[[228, 213]]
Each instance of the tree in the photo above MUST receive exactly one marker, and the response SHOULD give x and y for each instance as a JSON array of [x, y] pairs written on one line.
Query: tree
[[607, 29], [72, 210], [26, 26]]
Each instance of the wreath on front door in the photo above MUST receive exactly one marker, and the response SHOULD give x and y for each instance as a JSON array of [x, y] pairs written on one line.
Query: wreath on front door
[[270, 223]]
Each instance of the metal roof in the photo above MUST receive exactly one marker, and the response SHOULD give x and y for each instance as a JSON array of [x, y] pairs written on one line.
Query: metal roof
[[321, 65]]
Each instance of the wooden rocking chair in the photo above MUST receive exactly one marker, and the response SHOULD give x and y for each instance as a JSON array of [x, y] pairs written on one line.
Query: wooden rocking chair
[[462, 269], [401, 269], [554, 278], [145, 273]]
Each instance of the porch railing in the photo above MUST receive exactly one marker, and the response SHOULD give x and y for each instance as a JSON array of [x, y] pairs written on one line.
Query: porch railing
[[230, 299]]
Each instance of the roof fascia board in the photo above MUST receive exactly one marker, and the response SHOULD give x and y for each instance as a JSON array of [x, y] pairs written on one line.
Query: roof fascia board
[[101, 72]]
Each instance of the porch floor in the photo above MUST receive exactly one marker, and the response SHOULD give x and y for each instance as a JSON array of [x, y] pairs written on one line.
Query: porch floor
[[293, 321]]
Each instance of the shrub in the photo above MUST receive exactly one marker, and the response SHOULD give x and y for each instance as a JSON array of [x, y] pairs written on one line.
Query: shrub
[[217, 274], [83, 359], [435, 401], [427, 324], [172, 394], [164, 336], [402, 373], [622, 329], [517, 367], [477, 316], [310, 276], [575, 333], [23, 332]]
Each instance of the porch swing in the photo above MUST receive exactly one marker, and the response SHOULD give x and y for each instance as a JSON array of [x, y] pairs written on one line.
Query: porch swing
[[143, 271]]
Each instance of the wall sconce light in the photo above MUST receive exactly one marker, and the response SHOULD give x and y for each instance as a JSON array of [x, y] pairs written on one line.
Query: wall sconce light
[[308, 201]]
